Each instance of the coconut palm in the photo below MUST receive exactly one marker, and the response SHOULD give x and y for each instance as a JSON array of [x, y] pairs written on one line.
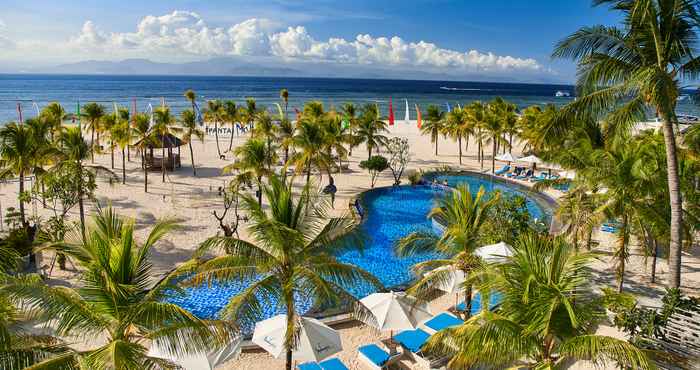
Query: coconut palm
[[190, 131], [434, 124], [144, 138], [285, 137], [460, 127], [191, 97], [18, 156], [477, 115], [265, 129], [284, 95], [231, 115], [350, 116], [164, 127], [545, 318], [214, 113], [252, 163], [309, 142], [493, 127], [54, 114], [93, 113], [73, 152], [291, 253], [335, 139], [117, 300], [250, 112], [464, 217], [108, 122], [370, 128], [120, 135], [625, 71]]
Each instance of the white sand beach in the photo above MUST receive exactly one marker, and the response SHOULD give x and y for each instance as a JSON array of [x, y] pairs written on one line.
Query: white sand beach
[[191, 201]]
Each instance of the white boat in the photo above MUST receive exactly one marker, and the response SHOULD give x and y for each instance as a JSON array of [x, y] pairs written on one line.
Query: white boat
[[562, 94]]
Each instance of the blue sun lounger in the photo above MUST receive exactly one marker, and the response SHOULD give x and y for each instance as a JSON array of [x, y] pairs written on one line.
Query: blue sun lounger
[[503, 170], [414, 341], [494, 299], [332, 364], [442, 321], [525, 176], [374, 357]]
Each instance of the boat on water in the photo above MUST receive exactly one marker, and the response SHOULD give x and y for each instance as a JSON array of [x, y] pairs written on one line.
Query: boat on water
[[687, 119], [562, 94]]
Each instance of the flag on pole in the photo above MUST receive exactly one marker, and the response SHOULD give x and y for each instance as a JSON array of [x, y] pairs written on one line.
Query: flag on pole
[[391, 113], [448, 107], [418, 116], [407, 117]]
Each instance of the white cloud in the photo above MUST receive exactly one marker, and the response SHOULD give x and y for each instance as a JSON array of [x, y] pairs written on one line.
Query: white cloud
[[185, 34]]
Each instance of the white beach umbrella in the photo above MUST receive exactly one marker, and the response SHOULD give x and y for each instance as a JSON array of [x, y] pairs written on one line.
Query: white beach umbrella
[[569, 174], [197, 361], [494, 252], [396, 310], [316, 341], [453, 282], [505, 157], [530, 159]]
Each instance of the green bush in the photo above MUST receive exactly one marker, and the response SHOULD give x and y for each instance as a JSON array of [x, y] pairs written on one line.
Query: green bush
[[375, 165]]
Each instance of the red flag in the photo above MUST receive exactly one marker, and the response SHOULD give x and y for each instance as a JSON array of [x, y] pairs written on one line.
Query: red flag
[[391, 113], [418, 116]]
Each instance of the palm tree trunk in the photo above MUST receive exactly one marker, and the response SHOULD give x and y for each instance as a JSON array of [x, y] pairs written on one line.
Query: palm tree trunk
[[468, 301], [369, 152], [162, 164], [216, 135], [674, 190], [230, 142], [622, 254], [459, 144], [260, 190], [112, 154], [654, 255], [510, 144], [145, 171], [308, 172], [81, 205], [493, 157], [21, 202], [437, 137], [92, 144], [290, 326], [194, 170], [123, 165]]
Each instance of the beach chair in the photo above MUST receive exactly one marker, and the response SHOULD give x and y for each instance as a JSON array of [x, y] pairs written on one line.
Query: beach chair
[[524, 176], [540, 177], [515, 173], [503, 170], [441, 321], [332, 364], [375, 358], [413, 341]]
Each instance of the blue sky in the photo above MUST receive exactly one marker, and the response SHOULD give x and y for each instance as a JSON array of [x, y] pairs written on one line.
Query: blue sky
[[523, 31]]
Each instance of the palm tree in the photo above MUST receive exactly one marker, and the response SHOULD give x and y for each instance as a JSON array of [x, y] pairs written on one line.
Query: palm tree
[[545, 317], [164, 127], [252, 163], [93, 113], [623, 72], [108, 122], [350, 114], [577, 211], [265, 129], [190, 131], [214, 113], [250, 112], [370, 128], [120, 135], [309, 141], [118, 301], [464, 217], [492, 127], [459, 126], [284, 95], [291, 252], [17, 157], [191, 96], [285, 137], [231, 115], [143, 135], [335, 138], [477, 116], [54, 114], [434, 124]]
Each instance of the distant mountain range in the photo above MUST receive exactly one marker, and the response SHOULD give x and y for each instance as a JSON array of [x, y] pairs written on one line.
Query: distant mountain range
[[237, 66]]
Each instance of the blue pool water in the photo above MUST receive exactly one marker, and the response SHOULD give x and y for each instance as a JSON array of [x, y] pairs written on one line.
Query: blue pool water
[[390, 214]]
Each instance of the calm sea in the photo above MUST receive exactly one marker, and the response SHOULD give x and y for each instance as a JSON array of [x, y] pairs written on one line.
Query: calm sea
[[33, 91]]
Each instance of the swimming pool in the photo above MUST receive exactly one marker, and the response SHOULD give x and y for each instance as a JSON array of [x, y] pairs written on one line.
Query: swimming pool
[[390, 214]]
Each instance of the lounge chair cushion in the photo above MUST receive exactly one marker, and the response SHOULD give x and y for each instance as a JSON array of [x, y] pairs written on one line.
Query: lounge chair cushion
[[333, 364], [413, 340], [443, 321], [309, 366], [375, 354]]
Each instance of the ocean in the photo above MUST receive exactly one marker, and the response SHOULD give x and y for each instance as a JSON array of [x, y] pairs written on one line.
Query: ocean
[[35, 91]]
